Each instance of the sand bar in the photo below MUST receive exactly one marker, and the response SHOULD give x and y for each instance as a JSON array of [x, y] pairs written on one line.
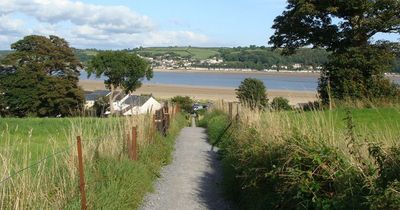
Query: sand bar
[[203, 93]]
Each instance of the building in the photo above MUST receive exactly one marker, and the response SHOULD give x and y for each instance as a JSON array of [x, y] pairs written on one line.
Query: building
[[135, 105], [91, 97], [296, 66]]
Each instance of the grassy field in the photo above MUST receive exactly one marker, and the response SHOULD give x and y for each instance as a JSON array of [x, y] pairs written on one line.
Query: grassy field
[[195, 52], [44, 135], [366, 121], [113, 181], [340, 159]]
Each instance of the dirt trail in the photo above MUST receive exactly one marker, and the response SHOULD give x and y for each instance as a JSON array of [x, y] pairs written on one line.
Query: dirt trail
[[192, 180]]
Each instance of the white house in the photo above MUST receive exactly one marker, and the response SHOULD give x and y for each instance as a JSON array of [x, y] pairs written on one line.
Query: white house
[[134, 105]]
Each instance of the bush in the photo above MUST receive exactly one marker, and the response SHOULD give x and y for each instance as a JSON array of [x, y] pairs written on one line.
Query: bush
[[280, 103]]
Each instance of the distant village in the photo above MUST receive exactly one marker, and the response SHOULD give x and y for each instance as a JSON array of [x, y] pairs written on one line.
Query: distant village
[[167, 62]]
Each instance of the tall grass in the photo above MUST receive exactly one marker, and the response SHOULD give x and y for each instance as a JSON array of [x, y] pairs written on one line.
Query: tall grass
[[112, 180], [306, 160]]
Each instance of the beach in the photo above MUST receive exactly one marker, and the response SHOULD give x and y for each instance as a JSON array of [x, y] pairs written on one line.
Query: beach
[[203, 93]]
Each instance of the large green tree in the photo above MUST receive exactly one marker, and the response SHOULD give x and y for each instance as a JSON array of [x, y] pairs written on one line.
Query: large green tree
[[122, 69], [40, 78], [345, 28]]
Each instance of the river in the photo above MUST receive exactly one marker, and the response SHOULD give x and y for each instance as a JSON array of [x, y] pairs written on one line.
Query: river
[[298, 82]]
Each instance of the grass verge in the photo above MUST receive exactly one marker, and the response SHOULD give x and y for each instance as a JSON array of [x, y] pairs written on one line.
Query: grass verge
[[343, 159]]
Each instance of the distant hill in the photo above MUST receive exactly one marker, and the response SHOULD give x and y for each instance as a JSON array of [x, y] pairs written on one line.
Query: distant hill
[[238, 57], [3, 53], [197, 53]]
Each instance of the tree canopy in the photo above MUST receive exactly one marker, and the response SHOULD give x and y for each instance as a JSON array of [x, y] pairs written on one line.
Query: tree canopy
[[40, 78], [334, 25], [356, 67], [122, 69], [252, 92]]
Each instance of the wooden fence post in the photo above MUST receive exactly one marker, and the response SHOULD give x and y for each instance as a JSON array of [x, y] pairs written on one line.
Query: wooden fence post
[[81, 175], [165, 123], [172, 112], [230, 106], [134, 143]]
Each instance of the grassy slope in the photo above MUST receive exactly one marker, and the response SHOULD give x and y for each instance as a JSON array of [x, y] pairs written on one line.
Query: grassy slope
[[197, 53]]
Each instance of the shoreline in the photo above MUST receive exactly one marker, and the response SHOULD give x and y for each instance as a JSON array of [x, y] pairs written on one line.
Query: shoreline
[[165, 91], [249, 72], [254, 72]]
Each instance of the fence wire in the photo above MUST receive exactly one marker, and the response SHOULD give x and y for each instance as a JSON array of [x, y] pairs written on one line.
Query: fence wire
[[36, 163]]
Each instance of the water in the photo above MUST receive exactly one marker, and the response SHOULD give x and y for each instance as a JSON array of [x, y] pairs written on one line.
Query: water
[[232, 80]]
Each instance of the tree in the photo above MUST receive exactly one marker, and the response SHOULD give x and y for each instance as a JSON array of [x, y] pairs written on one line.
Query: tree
[[358, 73], [343, 28], [184, 102], [280, 103], [252, 92], [123, 70], [40, 78]]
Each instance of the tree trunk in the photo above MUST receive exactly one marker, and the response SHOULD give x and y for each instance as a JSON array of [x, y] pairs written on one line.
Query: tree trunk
[[112, 100]]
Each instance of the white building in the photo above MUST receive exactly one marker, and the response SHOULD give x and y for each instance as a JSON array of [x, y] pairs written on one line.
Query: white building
[[296, 66], [135, 105]]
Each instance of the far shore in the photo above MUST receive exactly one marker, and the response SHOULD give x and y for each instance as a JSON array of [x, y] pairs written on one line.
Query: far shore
[[203, 93], [254, 72], [240, 71]]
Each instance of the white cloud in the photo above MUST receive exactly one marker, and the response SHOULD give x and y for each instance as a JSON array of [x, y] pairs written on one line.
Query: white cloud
[[87, 25], [10, 26], [119, 19], [89, 37]]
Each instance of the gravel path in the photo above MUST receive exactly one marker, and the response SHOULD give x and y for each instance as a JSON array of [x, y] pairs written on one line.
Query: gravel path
[[192, 180]]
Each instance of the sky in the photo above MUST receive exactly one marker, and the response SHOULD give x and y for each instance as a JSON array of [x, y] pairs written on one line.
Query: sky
[[122, 24]]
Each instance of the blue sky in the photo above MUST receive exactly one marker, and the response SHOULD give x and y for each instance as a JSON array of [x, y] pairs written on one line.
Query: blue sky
[[131, 23]]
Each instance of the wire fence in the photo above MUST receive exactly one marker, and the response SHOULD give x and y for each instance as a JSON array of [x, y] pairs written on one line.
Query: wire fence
[[160, 124], [42, 160]]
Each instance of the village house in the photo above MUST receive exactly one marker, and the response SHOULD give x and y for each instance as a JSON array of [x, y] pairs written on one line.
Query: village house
[[296, 66], [91, 97], [134, 105]]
